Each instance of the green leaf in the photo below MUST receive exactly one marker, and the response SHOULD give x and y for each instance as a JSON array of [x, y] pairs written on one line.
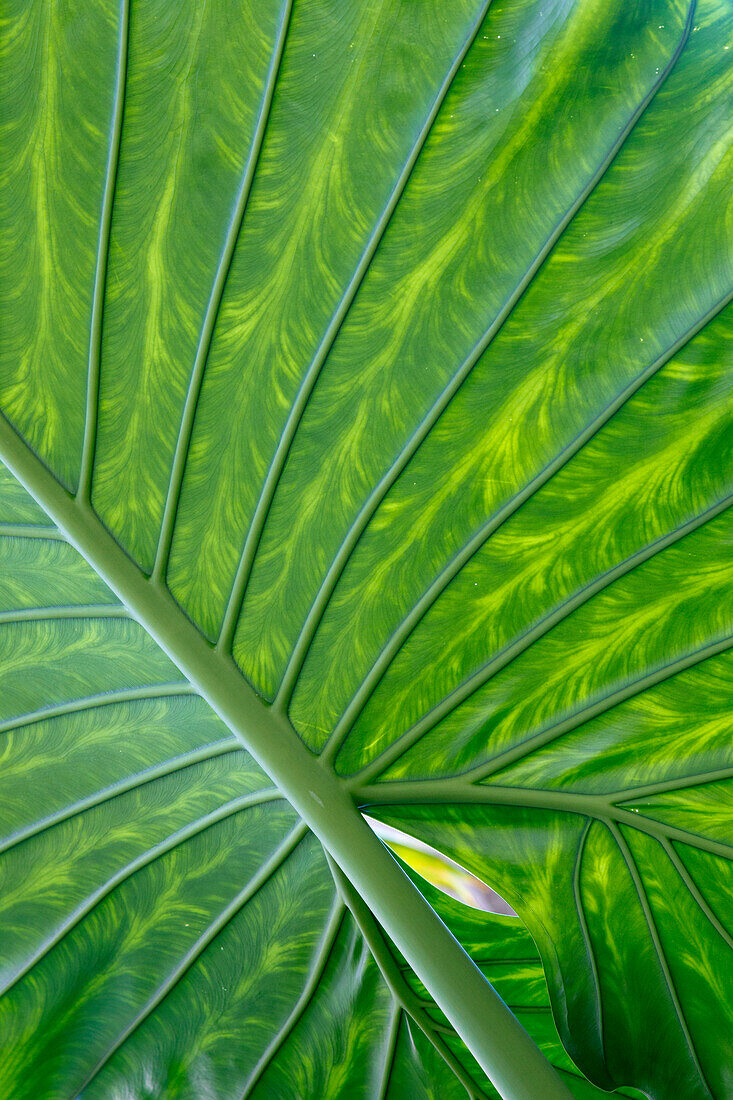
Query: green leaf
[[507, 955], [170, 927], [377, 357]]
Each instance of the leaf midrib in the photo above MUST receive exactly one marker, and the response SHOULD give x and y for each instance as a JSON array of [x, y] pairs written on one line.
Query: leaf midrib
[[481, 1019]]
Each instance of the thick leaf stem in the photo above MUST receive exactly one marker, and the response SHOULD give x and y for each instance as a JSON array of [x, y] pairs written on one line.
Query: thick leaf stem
[[396, 981], [491, 1032]]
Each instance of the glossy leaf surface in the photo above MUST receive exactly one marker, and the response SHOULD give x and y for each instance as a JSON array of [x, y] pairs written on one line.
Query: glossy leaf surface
[[393, 343], [170, 928]]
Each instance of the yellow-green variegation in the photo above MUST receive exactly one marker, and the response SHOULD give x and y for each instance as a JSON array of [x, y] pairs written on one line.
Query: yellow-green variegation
[[375, 360], [170, 926]]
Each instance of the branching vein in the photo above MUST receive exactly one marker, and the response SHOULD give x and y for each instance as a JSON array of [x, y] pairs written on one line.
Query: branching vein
[[422, 431], [482, 676], [130, 783], [104, 699], [310, 377], [214, 303], [193, 829], [311, 986], [393, 976], [100, 275], [654, 934], [227, 914]]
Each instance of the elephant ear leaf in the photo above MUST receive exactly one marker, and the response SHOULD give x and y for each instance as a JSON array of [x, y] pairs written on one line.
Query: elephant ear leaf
[[377, 358], [507, 954], [170, 927]]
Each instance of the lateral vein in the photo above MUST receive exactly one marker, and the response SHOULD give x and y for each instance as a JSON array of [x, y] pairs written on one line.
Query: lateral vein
[[310, 377], [313, 980], [107, 794], [654, 934], [206, 335], [323, 597], [510, 652], [103, 699], [193, 829], [100, 275], [227, 914], [453, 567], [388, 966]]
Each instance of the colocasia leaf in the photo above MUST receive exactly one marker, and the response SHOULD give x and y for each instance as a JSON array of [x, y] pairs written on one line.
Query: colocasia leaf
[[369, 366]]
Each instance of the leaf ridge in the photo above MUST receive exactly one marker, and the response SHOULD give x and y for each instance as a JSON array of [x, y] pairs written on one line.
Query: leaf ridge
[[227, 914], [320, 962], [100, 274], [214, 303], [510, 652], [114, 790], [385, 959], [459, 560], [632, 793], [31, 531], [364, 516], [695, 892], [272, 479], [606, 703], [456, 791], [103, 699], [390, 1050], [585, 934], [181, 835], [63, 612], [654, 934]]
